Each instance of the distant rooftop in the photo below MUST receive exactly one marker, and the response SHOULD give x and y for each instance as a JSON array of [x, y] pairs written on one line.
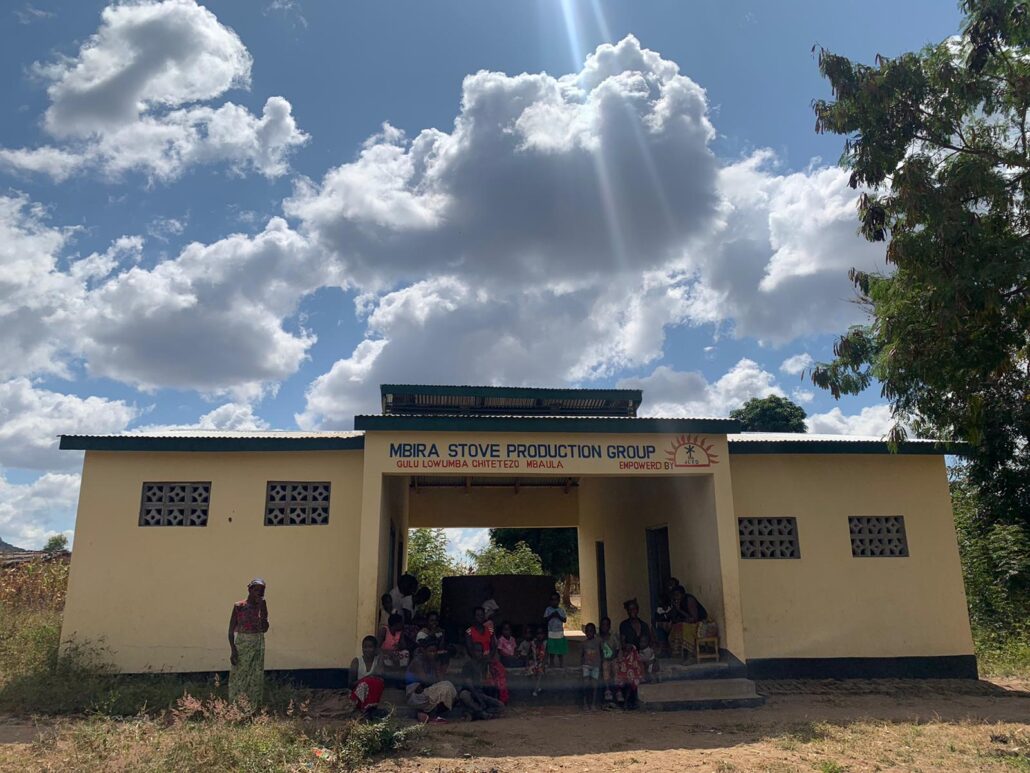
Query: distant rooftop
[[429, 399]]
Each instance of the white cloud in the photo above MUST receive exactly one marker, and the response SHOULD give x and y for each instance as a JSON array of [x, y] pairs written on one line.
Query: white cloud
[[54, 162], [446, 330], [803, 396], [541, 179], [776, 267], [459, 541], [871, 420], [30, 513], [128, 101], [31, 419], [669, 392], [37, 300], [797, 364], [210, 319], [28, 14], [228, 416]]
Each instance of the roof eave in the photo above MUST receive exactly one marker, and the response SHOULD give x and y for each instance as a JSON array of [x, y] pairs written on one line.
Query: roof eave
[[212, 444]]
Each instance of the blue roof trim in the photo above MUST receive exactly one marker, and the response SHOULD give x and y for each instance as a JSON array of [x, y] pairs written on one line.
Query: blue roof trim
[[845, 447], [218, 444], [431, 423]]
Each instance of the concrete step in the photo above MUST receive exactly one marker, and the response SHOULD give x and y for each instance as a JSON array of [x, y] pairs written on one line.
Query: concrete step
[[700, 694]]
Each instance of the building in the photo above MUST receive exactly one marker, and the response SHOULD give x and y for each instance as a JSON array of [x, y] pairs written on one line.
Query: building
[[817, 555]]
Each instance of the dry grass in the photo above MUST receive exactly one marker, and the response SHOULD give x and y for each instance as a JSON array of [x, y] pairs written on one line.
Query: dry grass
[[208, 735]]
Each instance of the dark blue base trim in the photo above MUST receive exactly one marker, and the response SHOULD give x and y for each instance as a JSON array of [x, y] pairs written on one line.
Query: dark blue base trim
[[928, 667]]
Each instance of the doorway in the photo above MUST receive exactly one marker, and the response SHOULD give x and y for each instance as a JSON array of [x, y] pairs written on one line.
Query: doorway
[[602, 588], [658, 564]]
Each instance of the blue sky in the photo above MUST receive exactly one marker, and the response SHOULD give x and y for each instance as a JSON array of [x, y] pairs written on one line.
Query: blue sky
[[248, 215]]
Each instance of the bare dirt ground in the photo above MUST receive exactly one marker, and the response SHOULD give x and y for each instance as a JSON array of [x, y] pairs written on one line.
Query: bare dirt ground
[[853, 726], [824, 726]]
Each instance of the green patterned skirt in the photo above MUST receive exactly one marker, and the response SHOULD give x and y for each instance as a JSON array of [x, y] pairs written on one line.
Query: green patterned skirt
[[247, 677]]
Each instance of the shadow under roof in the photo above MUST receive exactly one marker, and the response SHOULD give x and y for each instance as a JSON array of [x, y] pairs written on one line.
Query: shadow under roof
[[434, 399]]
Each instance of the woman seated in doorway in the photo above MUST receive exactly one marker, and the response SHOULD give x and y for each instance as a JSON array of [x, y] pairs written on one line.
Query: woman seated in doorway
[[686, 615], [632, 628], [662, 623]]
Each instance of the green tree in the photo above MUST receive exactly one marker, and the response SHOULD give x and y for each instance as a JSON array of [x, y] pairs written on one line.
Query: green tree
[[938, 143], [558, 550], [494, 559], [56, 544], [770, 414], [429, 562], [996, 570]]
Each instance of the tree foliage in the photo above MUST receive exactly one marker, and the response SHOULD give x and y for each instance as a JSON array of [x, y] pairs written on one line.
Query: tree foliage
[[996, 570], [937, 141], [558, 548], [56, 544], [770, 414], [495, 559], [429, 562]]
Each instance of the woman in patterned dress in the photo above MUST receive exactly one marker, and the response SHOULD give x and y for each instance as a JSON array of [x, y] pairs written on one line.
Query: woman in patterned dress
[[247, 626]]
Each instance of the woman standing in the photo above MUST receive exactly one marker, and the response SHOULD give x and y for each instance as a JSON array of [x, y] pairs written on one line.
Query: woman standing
[[247, 626]]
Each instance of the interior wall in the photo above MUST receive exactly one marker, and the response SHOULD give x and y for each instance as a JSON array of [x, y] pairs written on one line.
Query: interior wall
[[395, 513], [493, 507], [618, 511]]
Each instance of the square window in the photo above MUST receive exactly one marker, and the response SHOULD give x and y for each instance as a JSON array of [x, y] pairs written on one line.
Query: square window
[[174, 504], [768, 538], [878, 536], [294, 503]]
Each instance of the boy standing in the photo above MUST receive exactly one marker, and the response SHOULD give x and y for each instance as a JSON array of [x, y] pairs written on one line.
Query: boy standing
[[557, 644]]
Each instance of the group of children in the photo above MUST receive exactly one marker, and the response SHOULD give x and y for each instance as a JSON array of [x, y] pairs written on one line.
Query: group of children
[[611, 665]]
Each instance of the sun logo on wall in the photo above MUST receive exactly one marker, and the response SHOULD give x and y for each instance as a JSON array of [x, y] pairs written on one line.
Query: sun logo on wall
[[691, 451]]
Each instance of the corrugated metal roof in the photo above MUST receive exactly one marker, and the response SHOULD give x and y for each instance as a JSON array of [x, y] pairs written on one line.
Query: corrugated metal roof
[[804, 443], [189, 432], [216, 440]]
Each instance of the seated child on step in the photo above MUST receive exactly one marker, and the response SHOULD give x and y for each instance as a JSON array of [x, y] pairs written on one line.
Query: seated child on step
[[394, 647], [648, 659], [506, 646]]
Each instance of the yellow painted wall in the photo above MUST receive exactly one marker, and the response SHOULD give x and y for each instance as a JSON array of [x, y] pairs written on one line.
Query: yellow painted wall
[[620, 511], [486, 507], [160, 597], [830, 604]]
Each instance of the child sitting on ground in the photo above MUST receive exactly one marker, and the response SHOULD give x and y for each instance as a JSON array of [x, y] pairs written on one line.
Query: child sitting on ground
[[479, 704], [648, 658], [394, 647], [591, 666], [506, 646], [538, 664], [557, 644], [609, 644]]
